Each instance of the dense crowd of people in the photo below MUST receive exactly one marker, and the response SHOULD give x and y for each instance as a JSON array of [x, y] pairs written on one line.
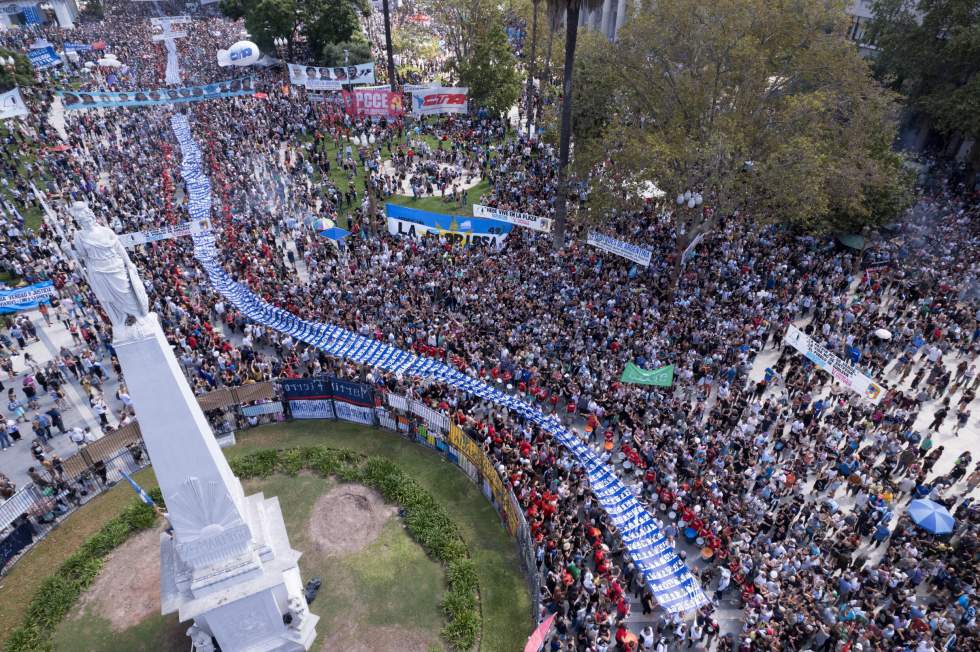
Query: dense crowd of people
[[796, 485]]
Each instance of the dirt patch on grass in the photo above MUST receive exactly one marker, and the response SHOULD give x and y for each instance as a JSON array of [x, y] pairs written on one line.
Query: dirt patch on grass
[[381, 638], [128, 589], [348, 518]]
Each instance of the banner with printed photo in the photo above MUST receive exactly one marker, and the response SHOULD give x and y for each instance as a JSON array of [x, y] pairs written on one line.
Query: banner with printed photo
[[437, 100], [45, 57], [317, 78], [842, 371], [26, 298], [517, 218], [12, 105], [74, 100], [631, 252], [373, 102], [454, 229], [164, 233]]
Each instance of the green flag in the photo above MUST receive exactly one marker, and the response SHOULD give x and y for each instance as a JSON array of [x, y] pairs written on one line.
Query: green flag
[[663, 377]]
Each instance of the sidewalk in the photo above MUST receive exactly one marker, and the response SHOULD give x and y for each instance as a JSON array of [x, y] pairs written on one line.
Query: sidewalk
[[15, 461]]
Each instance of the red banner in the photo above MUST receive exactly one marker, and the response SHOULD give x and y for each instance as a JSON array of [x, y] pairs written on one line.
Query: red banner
[[373, 102]]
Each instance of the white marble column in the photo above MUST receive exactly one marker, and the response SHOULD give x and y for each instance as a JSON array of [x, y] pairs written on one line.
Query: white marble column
[[66, 12], [620, 16]]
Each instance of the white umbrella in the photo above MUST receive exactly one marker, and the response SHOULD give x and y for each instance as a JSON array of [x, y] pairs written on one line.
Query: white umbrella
[[883, 334]]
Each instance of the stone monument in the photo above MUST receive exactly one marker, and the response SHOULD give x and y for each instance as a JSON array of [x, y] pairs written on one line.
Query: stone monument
[[227, 565]]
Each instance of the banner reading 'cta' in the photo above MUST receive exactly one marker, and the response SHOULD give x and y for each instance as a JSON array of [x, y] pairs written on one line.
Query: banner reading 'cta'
[[432, 101], [842, 372], [79, 100]]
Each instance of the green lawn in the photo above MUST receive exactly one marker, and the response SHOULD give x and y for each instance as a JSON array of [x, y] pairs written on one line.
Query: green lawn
[[505, 602], [437, 205], [390, 582], [503, 592]]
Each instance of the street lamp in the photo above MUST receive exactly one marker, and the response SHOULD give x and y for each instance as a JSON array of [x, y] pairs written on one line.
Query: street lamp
[[281, 45], [691, 199]]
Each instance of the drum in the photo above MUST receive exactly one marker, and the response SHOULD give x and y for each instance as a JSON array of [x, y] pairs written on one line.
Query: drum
[[690, 534]]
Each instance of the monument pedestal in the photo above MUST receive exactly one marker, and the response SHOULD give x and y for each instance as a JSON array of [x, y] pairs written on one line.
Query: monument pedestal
[[228, 564]]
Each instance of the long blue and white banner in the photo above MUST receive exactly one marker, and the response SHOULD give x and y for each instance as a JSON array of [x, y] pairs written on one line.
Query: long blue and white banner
[[626, 250], [664, 572], [27, 297], [75, 100]]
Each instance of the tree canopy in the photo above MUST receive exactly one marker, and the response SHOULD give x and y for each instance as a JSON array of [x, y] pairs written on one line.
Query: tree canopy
[[321, 23], [21, 75], [930, 51], [490, 71], [760, 106]]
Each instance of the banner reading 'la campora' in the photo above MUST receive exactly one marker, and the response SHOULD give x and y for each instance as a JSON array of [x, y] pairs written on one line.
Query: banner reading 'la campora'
[[843, 372], [432, 101]]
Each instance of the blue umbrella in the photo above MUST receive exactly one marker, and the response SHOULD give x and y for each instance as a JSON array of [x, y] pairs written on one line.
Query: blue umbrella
[[931, 516]]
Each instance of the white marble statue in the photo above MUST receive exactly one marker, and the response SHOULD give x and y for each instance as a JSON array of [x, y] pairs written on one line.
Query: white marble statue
[[111, 274]]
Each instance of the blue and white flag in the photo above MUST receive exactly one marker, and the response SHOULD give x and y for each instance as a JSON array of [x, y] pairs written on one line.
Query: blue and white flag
[[145, 497], [668, 577]]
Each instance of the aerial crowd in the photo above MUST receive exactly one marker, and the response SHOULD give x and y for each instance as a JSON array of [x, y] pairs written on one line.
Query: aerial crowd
[[795, 486]]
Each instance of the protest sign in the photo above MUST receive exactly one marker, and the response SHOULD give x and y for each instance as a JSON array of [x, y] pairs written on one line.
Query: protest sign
[[632, 252], [164, 232], [436, 100], [841, 370], [74, 100], [516, 218], [26, 298], [663, 377], [455, 229]]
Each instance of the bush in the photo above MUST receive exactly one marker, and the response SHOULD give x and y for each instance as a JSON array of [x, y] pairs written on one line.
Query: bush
[[426, 520], [58, 593]]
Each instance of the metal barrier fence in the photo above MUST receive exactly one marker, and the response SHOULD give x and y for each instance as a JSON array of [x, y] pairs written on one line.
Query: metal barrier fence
[[420, 423], [38, 510], [98, 466], [101, 464]]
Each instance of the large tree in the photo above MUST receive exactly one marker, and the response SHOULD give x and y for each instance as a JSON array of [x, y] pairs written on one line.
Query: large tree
[[571, 9], [490, 72], [759, 106], [319, 22], [930, 51]]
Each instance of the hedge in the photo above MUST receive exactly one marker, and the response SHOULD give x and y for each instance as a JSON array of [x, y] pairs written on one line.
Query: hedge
[[426, 520], [58, 593]]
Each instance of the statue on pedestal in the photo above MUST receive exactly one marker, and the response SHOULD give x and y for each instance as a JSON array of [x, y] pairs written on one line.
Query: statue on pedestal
[[111, 274]]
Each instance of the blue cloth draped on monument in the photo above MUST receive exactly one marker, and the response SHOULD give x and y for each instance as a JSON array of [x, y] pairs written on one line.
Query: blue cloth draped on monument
[[671, 582]]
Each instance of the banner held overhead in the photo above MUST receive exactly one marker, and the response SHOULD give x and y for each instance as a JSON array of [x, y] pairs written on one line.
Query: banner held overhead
[[842, 371]]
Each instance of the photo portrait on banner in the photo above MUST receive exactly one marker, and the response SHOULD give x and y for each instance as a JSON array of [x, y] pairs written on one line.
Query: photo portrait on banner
[[74, 100], [330, 79]]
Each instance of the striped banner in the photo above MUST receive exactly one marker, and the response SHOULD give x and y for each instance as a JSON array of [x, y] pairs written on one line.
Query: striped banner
[[671, 582]]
